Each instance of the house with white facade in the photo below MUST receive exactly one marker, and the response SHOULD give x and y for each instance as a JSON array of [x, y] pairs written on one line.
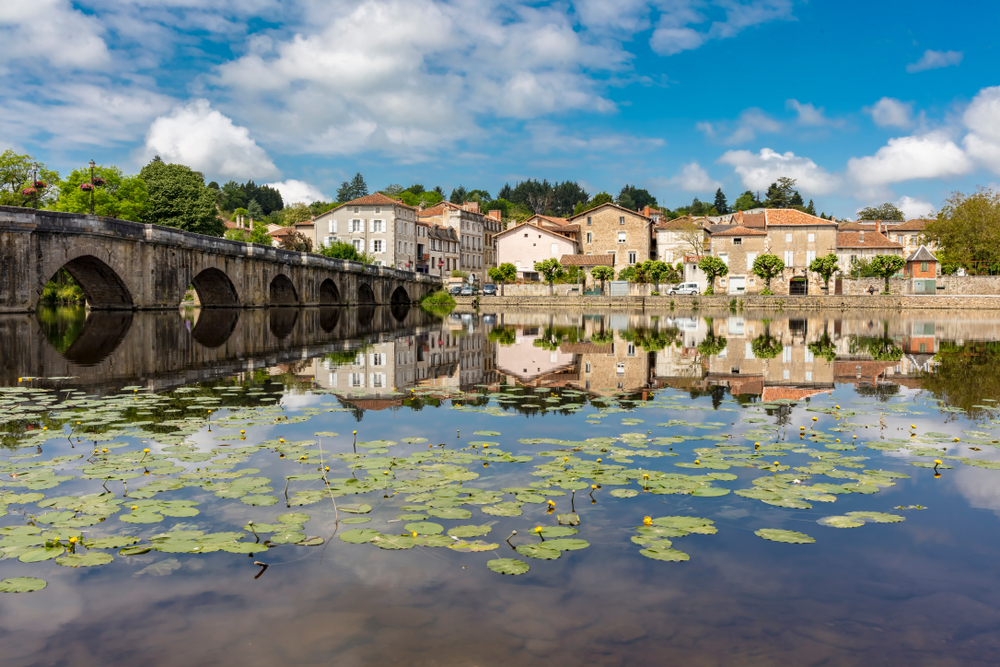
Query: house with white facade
[[376, 224]]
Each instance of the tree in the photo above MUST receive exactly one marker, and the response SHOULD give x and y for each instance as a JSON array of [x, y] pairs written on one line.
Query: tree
[[551, 269], [347, 251], [635, 198], [256, 235], [767, 266], [886, 211], [656, 270], [178, 198], [297, 213], [503, 274], [811, 208], [352, 189], [967, 230], [824, 347], [566, 196], [713, 344], [599, 198], [393, 190], [297, 241], [765, 346], [254, 210], [713, 267], [782, 194], [720, 202], [886, 266], [121, 196], [458, 195], [16, 185], [825, 266], [602, 273], [745, 202], [693, 235]]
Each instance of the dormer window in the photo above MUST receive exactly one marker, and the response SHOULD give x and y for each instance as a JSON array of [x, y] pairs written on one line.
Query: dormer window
[[737, 241]]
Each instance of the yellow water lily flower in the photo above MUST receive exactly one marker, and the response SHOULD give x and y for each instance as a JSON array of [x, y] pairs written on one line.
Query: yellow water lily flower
[[647, 521], [538, 529]]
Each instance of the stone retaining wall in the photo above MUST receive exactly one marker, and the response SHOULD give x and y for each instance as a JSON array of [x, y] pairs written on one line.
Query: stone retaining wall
[[839, 302]]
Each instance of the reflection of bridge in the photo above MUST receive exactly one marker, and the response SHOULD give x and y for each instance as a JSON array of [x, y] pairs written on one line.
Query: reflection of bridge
[[162, 350], [130, 266]]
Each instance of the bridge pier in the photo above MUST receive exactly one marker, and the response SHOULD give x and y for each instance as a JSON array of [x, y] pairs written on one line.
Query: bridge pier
[[123, 265]]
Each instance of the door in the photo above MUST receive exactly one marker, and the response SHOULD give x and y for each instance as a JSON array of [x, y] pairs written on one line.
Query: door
[[737, 284], [798, 286]]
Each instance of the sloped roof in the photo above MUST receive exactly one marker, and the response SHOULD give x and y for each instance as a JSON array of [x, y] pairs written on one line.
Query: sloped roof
[[791, 217], [375, 200], [753, 220], [737, 230], [550, 218], [587, 260], [284, 231], [683, 222], [790, 393], [915, 225], [921, 254], [872, 239], [856, 227], [612, 205], [585, 348], [551, 232]]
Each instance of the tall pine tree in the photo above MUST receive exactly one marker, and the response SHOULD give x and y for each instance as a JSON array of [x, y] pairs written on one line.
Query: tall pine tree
[[721, 205]]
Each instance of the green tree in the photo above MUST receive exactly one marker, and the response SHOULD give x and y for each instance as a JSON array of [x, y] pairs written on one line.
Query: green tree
[[503, 274], [712, 344], [297, 241], [811, 208], [352, 189], [886, 211], [767, 266], [782, 194], [746, 201], [824, 347], [255, 211], [886, 266], [504, 336], [178, 198], [656, 271], [121, 196], [602, 273], [297, 213], [458, 195], [825, 266], [599, 198], [256, 235], [967, 231], [16, 185], [713, 268], [551, 269], [393, 190], [765, 346], [720, 202], [634, 198], [343, 250]]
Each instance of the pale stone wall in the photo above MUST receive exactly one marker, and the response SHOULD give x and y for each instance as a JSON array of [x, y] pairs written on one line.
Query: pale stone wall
[[604, 226], [524, 245]]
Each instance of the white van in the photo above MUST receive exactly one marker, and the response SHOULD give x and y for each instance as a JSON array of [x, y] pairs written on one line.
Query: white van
[[684, 288]]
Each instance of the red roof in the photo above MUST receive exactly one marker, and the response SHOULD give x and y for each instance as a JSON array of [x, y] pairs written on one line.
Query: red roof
[[790, 216], [865, 239], [587, 260], [915, 225], [613, 205], [790, 393], [738, 230], [375, 199]]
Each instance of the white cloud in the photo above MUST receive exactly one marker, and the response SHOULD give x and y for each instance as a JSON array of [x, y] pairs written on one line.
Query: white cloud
[[759, 170], [811, 116], [202, 138], [890, 112], [935, 60], [982, 117], [914, 208], [747, 126], [693, 178], [674, 34], [932, 155], [294, 192], [53, 31]]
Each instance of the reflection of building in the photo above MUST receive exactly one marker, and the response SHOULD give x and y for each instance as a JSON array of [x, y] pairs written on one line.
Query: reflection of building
[[525, 362]]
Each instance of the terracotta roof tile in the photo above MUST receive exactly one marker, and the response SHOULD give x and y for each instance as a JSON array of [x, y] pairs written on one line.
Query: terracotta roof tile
[[375, 199], [915, 225], [791, 216], [790, 393], [587, 260], [737, 230], [586, 348], [550, 218], [753, 220], [872, 239], [612, 205]]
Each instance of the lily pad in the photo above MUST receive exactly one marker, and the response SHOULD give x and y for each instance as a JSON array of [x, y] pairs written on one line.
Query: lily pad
[[450, 513], [877, 517], [624, 493], [31, 584], [359, 535], [424, 527], [787, 536], [840, 522], [469, 531], [89, 559], [664, 553], [538, 551], [505, 566]]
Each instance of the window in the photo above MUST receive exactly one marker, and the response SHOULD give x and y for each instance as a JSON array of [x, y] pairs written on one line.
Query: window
[[357, 225], [812, 238], [810, 256], [378, 380], [786, 354], [357, 379], [724, 256], [751, 258], [378, 359], [555, 249], [786, 374], [621, 237], [620, 368], [621, 220], [358, 244], [737, 241], [377, 210], [526, 236], [333, 226], [588, 220], [923, 266], [631, 257], [378, 225], [357, 210], [788, 238], [586, 367], [788, 257], [631, 350], [590, 237], [329, 240], [809, 376], [668, 256]]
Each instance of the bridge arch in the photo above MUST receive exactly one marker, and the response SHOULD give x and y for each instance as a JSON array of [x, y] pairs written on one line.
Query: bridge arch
[[399, 296], [215, 289], [282, 291], [214, 327], [282, 322], [365, 294], [328, 293], [101, 285]]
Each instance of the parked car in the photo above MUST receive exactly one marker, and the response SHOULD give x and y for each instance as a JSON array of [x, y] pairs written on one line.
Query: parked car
[[489, 290], [455, 290], [684, 288], [466, 291]]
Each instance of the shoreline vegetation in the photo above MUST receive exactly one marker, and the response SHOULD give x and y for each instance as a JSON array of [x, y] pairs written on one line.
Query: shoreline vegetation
[[733, 303]]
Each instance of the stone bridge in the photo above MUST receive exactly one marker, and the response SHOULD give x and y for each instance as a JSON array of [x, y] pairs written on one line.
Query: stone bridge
[[131, 266]]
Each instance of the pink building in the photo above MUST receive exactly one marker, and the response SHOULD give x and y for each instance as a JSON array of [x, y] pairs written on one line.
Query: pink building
[[526, 244]]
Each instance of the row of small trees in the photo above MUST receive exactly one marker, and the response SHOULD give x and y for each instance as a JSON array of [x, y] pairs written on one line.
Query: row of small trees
[[768, 266]]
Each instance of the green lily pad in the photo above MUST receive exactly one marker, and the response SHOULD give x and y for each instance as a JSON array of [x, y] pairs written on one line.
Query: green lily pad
[[710, 492], [787, 536], [449, 513], [311, 542], [470, 531], [31, 584], [567, 544], [424, 527], [506, 566], [89, 559], [355, 509], [558, 531], [840, 522], [357, 519], [877, 517], [297, 518], [538, 551], [657, 552], [38, 555], [624, 493], [359, 535], [115, 542], [259, 501], [473, 547]]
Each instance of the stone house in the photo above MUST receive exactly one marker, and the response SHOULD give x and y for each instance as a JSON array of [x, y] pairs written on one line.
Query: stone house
[[525, 244], [738, 247], [678, 237], [921, 264], [610, 229], [376, 224], [863, 245], [797, 238], [476, 232], [437, 249], [910, 235]]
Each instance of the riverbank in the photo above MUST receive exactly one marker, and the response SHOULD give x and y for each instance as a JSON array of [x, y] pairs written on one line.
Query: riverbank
[[756, 302]]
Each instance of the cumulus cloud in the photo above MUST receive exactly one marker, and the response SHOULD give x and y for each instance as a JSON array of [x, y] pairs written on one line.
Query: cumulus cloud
[[932, 155], [935, 60], [197, 135], [298, 192], [890, 112], [693, 178], [982, 117], [758, 170], [52, 31], [914, 208], [674, 34], [811, 116], [747, 126]]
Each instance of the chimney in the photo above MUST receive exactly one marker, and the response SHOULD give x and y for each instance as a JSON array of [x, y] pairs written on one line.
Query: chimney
[[495, 213], [471, 207]]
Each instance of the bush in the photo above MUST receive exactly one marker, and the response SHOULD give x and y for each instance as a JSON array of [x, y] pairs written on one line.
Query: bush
[[654, 293], [438, 298]]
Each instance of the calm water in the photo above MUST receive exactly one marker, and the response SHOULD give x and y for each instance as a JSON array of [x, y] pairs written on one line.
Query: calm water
[[808, 416]]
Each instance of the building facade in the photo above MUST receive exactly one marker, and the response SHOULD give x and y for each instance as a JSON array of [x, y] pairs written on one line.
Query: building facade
[[476, 233], [863, 246], [375, 224], [437, 249], [525, 244], [609, 229], [738, 247]]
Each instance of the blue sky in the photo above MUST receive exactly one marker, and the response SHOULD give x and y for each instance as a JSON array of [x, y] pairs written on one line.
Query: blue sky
[[861, 102]]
